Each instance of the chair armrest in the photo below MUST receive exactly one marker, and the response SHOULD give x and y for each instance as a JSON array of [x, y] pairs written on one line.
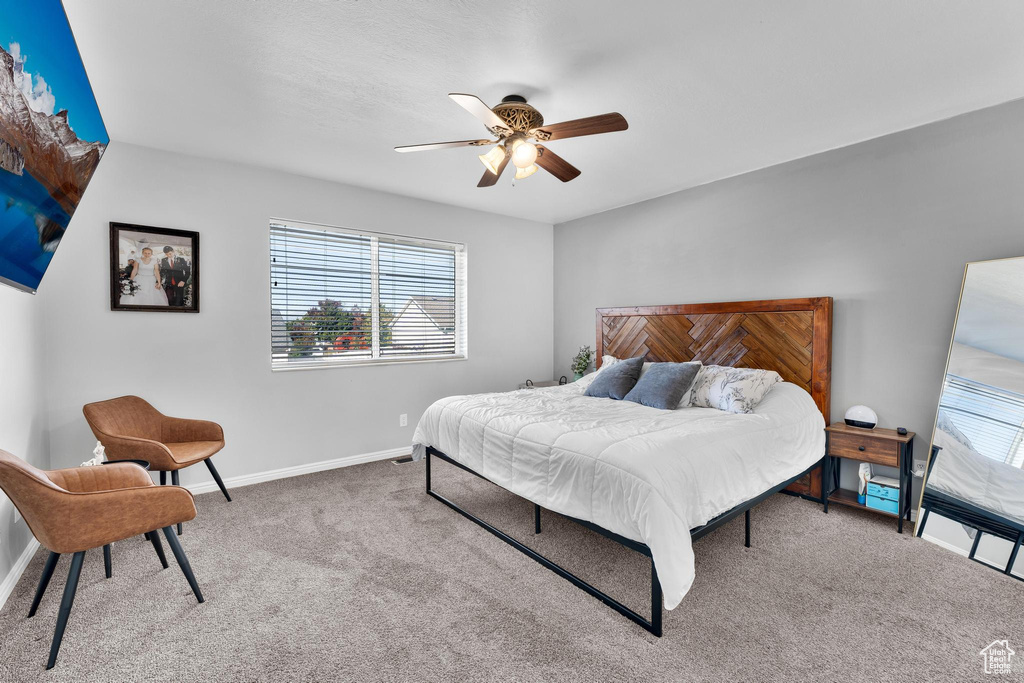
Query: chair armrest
[[134, 448], [120, 475], [101, 517], [180, 430]]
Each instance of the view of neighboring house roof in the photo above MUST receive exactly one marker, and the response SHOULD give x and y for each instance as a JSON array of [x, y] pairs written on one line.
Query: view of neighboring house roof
[[439, 310]]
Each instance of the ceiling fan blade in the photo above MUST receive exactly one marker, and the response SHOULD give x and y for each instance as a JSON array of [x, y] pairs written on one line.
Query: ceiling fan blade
[[592, 125], [444, 145], [475, 106], [555, 165], [492, 178]]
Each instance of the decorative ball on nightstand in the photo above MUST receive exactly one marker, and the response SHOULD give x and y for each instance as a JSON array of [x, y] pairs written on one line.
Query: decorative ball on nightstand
[[861, 416]]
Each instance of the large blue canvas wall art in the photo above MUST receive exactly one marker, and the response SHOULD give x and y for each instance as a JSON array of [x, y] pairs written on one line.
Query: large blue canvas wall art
[[51, 136]]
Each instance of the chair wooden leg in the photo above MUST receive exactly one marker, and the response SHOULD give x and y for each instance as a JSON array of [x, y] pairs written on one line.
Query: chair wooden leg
[[44, 581], [106, 561], [154, 538], [186, 568], [174, 480], [65, 606], [163, 479], [216, 478]]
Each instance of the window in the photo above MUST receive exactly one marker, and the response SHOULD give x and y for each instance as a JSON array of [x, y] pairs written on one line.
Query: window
[[991, 418], [345, 297]]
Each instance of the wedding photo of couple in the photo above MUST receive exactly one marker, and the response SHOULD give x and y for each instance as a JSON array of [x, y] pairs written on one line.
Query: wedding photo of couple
[[154, 270]]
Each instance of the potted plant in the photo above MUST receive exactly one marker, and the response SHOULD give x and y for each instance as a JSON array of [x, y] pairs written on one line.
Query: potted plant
[[580, 362]]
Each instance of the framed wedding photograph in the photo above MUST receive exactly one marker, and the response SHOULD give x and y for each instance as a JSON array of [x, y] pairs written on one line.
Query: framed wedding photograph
[[153, 269]]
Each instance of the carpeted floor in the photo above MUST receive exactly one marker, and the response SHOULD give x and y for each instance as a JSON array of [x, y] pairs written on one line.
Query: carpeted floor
[[356, 575]]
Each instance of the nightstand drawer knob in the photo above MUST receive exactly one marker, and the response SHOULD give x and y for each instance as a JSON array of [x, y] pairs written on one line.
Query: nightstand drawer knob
[[860, 448]]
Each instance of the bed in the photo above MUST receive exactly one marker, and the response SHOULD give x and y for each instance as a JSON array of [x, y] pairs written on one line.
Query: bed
[[983, 494], [653, 480]]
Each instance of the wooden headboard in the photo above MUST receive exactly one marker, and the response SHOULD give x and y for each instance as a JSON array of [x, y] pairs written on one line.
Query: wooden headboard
[[790, 336]]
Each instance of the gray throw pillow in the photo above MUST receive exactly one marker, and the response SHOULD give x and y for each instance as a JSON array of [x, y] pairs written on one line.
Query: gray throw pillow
[[664, 384], [616, 381]]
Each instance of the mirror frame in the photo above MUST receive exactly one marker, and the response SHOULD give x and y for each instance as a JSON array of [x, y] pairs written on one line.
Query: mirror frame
[[945, 371]]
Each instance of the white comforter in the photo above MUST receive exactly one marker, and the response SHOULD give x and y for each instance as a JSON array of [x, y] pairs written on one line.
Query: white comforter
[[969, 476], [650, 475]]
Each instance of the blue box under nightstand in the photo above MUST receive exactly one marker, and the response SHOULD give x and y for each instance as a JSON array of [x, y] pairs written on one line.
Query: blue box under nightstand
[[884, 494], [883, 504]]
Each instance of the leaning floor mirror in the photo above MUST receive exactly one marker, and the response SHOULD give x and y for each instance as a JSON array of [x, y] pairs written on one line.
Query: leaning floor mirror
[[973, 498]]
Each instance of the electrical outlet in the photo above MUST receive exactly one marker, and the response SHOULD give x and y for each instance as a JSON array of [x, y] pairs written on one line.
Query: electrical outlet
[[403, 420]]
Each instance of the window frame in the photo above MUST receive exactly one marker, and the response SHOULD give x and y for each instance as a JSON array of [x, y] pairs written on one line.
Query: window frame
[[461, 332]]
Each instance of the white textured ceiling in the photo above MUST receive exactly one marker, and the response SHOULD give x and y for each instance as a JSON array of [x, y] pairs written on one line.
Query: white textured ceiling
[[710, 89]]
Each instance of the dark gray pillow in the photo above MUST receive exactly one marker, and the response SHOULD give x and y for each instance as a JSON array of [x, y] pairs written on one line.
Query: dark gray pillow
[[664, 384], [616, 381]]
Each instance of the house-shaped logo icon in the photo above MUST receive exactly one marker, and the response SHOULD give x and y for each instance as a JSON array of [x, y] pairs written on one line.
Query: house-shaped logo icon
[[997, 657]]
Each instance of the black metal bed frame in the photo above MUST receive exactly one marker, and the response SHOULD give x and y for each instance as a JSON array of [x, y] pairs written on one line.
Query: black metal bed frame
[[980, 519], [654, 624]]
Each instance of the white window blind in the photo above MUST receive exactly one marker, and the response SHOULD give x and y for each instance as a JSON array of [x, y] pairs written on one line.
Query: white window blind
[[342, 297], [990, 417]]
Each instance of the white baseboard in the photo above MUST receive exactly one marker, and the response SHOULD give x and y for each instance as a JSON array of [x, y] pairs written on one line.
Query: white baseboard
[[944, 544], [285, 472], [11, 580]]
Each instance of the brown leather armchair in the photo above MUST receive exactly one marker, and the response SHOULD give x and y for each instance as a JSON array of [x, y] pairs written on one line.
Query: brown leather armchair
[[131, 429], [81, 508]]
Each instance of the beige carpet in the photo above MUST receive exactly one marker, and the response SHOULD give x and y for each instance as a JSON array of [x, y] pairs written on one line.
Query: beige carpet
[[356, 575]]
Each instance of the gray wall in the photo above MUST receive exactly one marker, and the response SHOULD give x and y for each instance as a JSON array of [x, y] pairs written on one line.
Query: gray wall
[[219, 359], [22, 417], [885, 227]]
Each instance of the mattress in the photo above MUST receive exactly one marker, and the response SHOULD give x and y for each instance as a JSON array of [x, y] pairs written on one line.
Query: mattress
[[967, 475], [647, 474]]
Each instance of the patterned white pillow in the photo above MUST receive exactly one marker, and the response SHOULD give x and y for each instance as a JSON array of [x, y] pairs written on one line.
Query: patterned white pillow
[[734, 390], [607, 360]]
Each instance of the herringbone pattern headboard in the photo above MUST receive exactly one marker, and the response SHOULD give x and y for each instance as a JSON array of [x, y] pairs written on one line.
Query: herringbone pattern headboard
[[791, 336]]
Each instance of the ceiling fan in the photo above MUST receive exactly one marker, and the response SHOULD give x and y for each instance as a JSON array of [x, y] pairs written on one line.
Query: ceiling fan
[[519, 129]]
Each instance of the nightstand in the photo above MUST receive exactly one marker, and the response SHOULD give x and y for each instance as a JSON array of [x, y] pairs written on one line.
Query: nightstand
[[878, 446]]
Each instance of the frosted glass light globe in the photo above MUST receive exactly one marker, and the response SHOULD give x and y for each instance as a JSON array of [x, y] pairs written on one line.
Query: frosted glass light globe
[[493, 159], [523, 153], [526, 172]]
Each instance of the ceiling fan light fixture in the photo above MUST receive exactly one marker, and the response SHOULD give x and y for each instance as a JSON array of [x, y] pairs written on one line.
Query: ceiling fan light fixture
[[524, 154], [492, 160], [522, 137], [525, 172]]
